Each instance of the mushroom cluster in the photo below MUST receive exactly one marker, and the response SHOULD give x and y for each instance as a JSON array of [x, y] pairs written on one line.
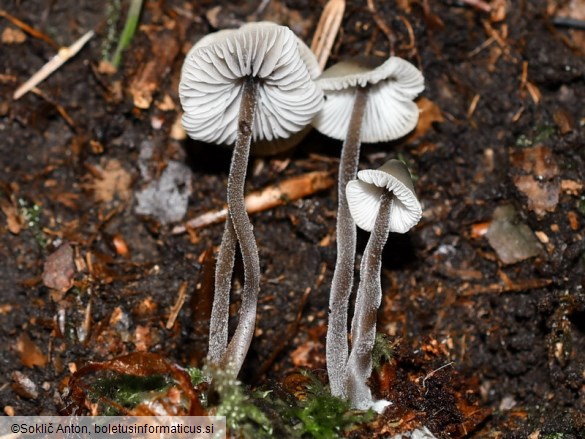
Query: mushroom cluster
[[258, 85], [367, 100], [254, 83]]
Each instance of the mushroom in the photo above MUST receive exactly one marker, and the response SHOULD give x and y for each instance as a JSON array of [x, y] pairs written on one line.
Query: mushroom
[[381, 201], [237, 86], [366, 100]]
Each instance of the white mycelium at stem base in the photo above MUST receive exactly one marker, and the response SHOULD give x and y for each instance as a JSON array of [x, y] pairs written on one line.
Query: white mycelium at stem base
[[241, 85], [381, 201], [366, 101]]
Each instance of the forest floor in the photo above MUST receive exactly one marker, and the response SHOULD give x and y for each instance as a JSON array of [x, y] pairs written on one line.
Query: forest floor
[[483, 300]]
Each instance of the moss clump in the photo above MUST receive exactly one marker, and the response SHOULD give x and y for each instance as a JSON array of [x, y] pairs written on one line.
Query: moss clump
[[384, 350], [242, 416]]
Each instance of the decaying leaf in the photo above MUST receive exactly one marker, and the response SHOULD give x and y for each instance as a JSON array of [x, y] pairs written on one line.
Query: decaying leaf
[[111, 181], [59, 269], [30, 354], [139, 364], [429, 113], [538, 180]]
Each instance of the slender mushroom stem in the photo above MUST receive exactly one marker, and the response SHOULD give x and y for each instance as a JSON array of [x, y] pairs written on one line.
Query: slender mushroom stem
[[368, 299], [224, 268], [342, 284], [238, 346]]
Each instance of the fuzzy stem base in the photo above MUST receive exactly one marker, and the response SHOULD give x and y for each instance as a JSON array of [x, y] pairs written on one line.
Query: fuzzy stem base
[[342, 284], [368, 299]]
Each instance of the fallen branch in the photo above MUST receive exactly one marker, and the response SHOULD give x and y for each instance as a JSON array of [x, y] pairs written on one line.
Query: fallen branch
[[288, 190]]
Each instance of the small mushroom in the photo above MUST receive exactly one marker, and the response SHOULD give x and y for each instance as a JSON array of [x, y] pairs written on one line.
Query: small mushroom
[[366, 100], [381, 201], [239, 85]]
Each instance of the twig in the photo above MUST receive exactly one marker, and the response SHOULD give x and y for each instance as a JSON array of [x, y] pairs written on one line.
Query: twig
[[64, 54], [327, 30], [272, 196], [176, 308]]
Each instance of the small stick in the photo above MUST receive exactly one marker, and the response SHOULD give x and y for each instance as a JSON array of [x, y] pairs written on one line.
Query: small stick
[[64, 54], [288, 190], [327, 30], [176, 308]]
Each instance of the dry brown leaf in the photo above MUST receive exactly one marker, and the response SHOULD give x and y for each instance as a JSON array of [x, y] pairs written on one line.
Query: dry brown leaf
[[30, 354], [429, 114], [13, 221]]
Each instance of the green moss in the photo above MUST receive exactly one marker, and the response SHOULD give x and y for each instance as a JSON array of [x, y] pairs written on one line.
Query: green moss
[[241, 414], [254, 415], [318, 414], [384, 350], [128, 390]]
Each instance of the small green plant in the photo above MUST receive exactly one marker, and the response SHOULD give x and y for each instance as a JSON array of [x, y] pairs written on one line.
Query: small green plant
[[32, 214], [129, 29]]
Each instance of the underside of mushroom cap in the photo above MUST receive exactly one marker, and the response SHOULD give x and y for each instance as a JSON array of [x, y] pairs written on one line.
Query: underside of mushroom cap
[[390, 112], [214, 72], [363, 197]]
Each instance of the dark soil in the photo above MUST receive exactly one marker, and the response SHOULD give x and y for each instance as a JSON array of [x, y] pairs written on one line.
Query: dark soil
[[485, 348]]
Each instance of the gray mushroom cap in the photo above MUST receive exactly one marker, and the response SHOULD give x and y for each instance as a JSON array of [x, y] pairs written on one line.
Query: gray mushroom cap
[[363, 197], [390, 112], [212, 82]]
